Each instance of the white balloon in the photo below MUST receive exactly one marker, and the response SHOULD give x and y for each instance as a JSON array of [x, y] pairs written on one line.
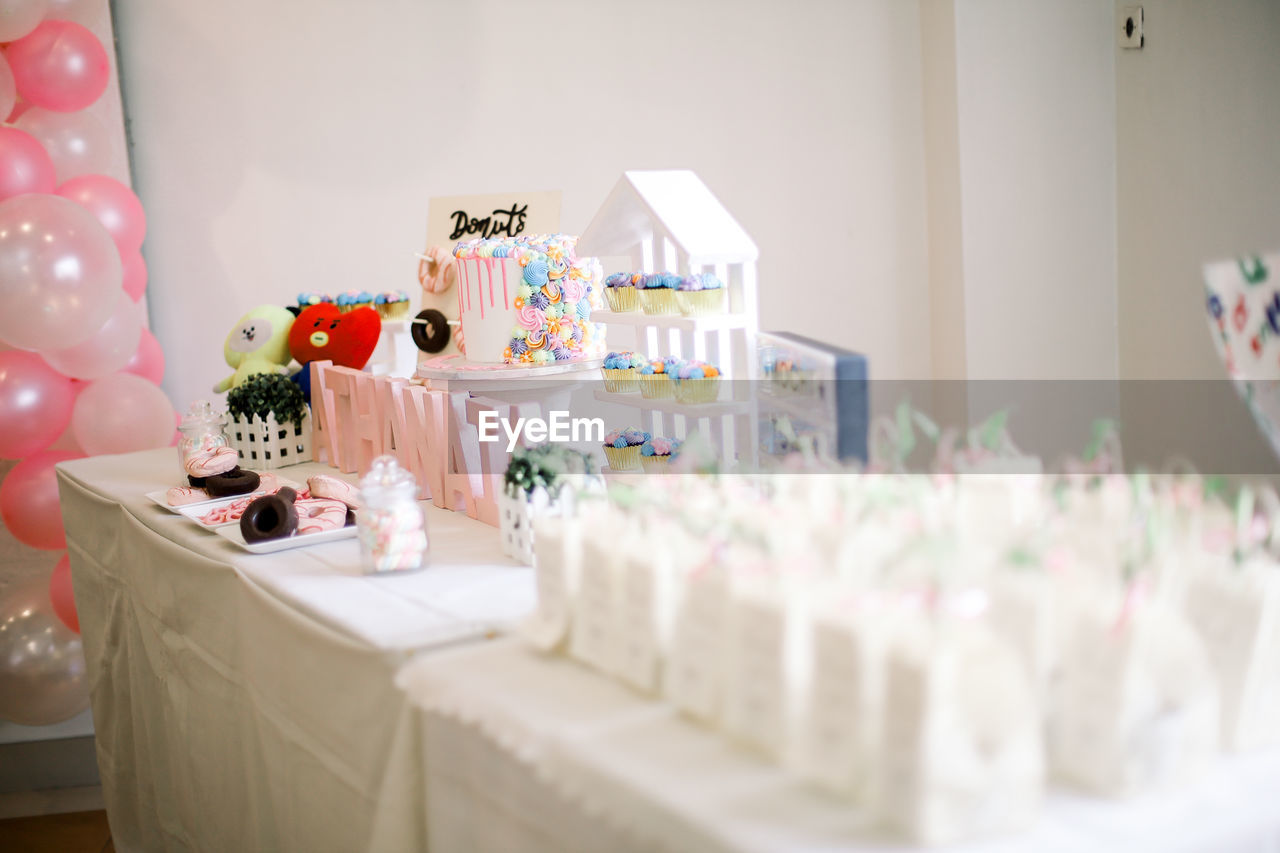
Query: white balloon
[[77, 142], [84, 12], [19, 17], [60, 273], [107, 351], [42, 670]]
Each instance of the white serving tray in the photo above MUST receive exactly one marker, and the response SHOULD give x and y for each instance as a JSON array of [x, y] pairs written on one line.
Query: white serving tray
[[160, 498], [194, 511], [231, 532]]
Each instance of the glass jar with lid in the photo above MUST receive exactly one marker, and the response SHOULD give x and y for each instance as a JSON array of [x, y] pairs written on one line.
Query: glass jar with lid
[[390, 522], [203, 430]]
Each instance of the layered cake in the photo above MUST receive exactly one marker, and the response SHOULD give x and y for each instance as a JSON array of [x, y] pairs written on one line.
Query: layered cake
[[528, 300]]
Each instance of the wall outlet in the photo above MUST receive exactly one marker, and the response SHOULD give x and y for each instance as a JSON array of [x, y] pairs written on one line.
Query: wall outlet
[[1131, 27]]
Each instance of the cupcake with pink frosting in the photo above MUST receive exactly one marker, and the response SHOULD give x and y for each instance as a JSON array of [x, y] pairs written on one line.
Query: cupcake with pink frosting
[[656, 453], [622, 448]]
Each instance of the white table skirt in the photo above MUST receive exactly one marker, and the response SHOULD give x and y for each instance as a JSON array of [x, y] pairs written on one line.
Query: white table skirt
[[522, 746], [248, 702]]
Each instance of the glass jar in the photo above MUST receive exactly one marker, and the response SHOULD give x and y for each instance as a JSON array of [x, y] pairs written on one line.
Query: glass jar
[[203, 429], [390, 522]]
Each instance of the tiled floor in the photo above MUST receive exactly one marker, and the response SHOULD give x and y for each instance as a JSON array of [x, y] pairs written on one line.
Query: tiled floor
[[75, 832]]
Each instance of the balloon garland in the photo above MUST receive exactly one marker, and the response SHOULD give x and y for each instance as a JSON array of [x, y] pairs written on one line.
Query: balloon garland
[[79, 371]]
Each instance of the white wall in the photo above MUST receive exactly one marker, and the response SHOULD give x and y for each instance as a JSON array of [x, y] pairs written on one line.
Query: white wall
[[1037, 134], [1199, 171], [293, 145]]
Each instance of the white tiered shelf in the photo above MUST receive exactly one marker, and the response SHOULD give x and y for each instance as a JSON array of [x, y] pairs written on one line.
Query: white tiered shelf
[[717, 409], [709, 323], [670, 220]]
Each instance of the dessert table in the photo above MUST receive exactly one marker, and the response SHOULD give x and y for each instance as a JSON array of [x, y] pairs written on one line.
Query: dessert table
[[539, 753], [247, 702]]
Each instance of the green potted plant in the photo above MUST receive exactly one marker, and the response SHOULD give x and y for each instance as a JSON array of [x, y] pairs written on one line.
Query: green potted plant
[[270, 422]]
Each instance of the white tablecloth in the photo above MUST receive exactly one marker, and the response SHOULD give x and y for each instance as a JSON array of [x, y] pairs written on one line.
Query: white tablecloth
[[248, 702], [529, 752]]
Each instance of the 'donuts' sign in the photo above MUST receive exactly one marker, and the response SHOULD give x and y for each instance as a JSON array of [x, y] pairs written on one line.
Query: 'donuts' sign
[[454, 218]]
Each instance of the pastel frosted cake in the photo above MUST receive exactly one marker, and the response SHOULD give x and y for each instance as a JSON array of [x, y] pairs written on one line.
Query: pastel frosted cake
[[528, 300]]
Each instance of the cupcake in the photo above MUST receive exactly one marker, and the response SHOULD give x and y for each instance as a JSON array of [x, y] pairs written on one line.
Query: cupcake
[[392, 305], [655, 379], [656, 454], [696, 382], [622, 448], [700, 294], [658, 294], [620, 291], [364, 299], [620, 372], [306, 299]]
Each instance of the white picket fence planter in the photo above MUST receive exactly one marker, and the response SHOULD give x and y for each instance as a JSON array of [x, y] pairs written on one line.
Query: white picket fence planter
[[516, 514], [264, 445], [515, 520]]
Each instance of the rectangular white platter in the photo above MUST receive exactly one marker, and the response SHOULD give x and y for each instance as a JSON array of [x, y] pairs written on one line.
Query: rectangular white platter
[[160, 498], [231, 532]]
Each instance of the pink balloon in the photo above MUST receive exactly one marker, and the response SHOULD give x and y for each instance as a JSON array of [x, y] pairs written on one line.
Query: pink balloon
[[107, 351], [135, 274], [25, 167], [77, 143], [122, 413], [60, 273], [19, 17], [8, 89], [19, 109], [29, 501], [35, 404], [62, 594], [115, 205], [60, 65], [148, 361]]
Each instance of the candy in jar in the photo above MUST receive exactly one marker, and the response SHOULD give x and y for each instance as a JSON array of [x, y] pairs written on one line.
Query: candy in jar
[[202, 433], [392, 528]]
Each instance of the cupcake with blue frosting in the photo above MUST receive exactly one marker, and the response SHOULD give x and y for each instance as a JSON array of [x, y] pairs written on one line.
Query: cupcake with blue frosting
[[700, 294], [620, 371], [306, 299], [656, 454], [392, 304], [621, 292], [622, 448], [655, 378], [696, 382], [658, 294]]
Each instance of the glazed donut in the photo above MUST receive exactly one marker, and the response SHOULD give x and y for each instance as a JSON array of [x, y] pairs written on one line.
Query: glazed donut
[[317, 515], [207, 462], [269, 517], [235, 482], [430, 331], [325, 486], [181, 495]]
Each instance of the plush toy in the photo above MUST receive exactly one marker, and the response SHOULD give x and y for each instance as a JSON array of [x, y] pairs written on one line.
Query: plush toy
[[346, 338], [259, 343]]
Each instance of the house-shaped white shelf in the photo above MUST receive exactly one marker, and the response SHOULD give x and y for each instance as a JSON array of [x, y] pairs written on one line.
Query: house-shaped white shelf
[[670, 220]]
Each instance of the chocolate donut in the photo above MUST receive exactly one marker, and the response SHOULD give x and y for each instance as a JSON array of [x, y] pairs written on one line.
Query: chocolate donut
[[196, 482], [237, 481], [430, 331], [269, 517]]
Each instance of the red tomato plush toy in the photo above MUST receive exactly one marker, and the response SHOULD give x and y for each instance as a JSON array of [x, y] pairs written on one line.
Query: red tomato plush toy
[[324, 332]]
